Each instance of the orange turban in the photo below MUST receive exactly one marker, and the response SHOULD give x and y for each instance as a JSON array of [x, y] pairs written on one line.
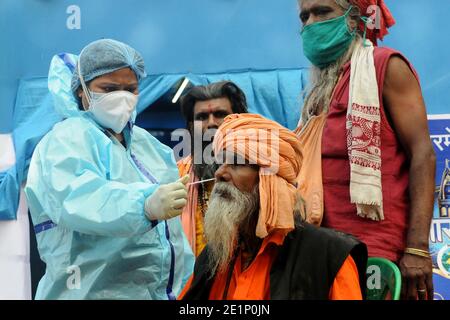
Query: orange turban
[[277, 151], [369, 8]]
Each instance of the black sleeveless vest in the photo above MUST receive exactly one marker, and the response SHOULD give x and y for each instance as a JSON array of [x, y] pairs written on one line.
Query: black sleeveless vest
[[304, 269]]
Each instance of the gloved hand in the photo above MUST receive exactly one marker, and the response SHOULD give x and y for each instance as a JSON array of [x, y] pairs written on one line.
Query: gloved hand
[[167, 201]]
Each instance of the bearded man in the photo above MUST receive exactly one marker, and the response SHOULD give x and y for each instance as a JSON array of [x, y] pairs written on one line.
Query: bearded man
[[369, 163], [258, 246], [204, 108]]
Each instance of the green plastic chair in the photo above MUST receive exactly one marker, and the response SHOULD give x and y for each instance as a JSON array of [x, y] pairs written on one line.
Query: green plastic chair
[[383, 276]]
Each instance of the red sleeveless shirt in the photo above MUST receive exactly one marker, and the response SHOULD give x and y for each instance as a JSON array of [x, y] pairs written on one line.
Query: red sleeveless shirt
[[385, 238]]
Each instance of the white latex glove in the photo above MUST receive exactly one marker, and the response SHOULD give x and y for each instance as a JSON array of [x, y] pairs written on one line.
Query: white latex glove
[[167, 201]]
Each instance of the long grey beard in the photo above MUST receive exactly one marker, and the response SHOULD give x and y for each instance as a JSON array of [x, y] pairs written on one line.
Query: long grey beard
[[228, 210], [322, 84]]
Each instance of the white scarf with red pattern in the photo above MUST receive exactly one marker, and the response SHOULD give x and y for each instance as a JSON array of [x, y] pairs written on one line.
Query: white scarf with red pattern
[[363, 135]]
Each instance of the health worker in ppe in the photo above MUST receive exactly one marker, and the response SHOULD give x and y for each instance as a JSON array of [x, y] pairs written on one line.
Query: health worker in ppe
[[103, 193]]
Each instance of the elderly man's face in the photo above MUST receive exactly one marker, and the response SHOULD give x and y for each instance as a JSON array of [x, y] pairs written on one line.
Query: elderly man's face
[[243, 177], [312, 11], [232, 210]]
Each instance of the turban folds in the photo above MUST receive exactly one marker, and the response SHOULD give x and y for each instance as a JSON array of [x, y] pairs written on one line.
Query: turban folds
[[383, 18], [277, 152]]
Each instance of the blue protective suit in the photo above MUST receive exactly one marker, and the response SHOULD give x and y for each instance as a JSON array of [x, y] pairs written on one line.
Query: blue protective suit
[[86, 194]]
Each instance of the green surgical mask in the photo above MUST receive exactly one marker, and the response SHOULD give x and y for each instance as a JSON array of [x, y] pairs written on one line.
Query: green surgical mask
[[325, 42]]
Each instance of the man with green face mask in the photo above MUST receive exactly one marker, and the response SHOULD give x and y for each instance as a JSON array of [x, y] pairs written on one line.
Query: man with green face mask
[[365, 132]]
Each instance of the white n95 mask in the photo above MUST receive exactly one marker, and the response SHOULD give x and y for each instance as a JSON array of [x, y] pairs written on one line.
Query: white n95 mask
[[112, 110]]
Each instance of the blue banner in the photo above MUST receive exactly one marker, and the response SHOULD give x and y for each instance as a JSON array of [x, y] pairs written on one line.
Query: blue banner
[[440, 226]]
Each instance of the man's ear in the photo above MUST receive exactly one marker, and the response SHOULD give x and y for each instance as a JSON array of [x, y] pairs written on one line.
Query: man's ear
[[353, 25]]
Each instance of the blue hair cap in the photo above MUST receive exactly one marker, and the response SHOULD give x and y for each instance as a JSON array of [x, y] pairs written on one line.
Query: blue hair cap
[[105, 56]]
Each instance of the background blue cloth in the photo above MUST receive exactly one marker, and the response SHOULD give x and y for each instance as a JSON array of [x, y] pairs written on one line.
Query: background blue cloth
[[204, 36], [34, 117], [274, 94], [255, 43]]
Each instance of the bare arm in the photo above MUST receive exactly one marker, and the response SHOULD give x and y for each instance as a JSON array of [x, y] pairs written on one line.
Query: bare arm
[[406, 108]]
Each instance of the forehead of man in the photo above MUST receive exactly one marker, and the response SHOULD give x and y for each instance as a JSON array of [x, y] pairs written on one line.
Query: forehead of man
[[231, 158], [309, 4], [213, 105]]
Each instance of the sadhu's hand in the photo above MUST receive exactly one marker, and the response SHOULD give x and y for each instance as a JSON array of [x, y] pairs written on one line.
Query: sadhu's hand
[[417, 277]]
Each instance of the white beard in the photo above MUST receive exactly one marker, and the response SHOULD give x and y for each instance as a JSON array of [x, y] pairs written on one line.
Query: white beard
[[228, 210]]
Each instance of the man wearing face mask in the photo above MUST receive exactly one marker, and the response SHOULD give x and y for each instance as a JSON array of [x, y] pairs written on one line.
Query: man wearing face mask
[[365, 134], [102, 192]]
